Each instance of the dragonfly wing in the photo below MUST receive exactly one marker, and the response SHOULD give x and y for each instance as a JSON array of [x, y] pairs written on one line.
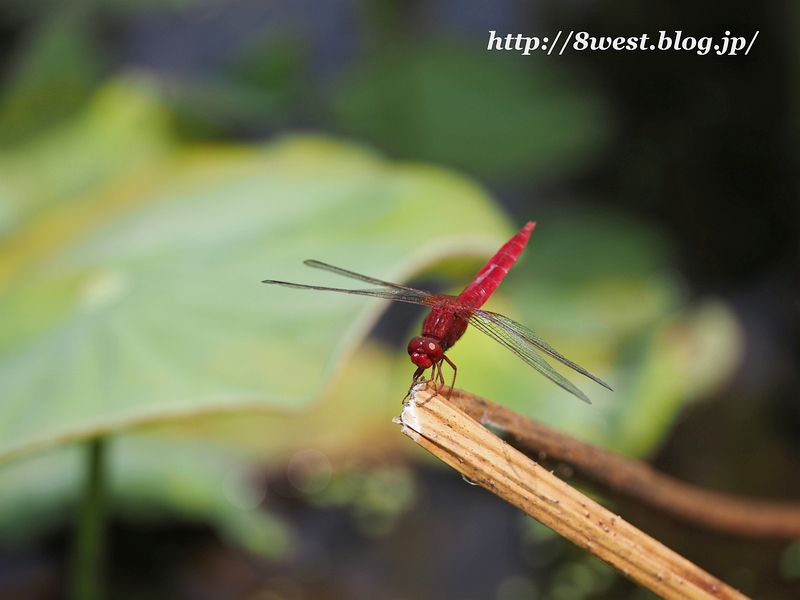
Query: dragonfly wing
[[409, 295], [523, 342], [527, 354], [529, 337], [366, 278]]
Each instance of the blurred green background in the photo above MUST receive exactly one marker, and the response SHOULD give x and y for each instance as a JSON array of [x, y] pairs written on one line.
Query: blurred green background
[[158, 160]]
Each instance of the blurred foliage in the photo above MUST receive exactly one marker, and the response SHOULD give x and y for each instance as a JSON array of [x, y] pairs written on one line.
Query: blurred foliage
[[130, 266], [149, 480], [264, 87], [498, 117], [376, 493], [58, 68], [123, 128], [495, 116], [790, 561], [578, 574], [144, 299]]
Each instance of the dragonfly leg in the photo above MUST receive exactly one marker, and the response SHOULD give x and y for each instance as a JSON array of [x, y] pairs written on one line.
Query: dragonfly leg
[[437, 377], [418, 376], [455, 371]]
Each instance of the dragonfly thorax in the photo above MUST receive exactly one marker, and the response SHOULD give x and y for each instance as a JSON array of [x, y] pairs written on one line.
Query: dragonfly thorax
[[424, 351]]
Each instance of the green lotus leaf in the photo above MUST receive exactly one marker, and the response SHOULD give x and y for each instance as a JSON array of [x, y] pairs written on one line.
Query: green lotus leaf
[[123, 128], [144, 299], [355, 412]]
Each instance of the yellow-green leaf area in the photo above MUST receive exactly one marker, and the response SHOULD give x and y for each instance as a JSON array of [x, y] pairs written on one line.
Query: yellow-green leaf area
[[123, 128], [147, 302]]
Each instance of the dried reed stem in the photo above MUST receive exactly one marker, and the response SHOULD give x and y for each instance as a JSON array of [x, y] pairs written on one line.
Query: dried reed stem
[[726, 513], [461, 442]]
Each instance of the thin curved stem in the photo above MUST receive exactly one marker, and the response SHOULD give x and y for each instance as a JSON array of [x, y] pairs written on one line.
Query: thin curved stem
[[724, 513]]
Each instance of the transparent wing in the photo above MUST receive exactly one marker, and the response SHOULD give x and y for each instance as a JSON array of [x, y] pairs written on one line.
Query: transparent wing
[[399, 293], [410, 295], [523, 342], [366, 278]]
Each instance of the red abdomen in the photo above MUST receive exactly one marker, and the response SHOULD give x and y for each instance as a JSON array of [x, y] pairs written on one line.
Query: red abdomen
[[490, 276], [444, 324]]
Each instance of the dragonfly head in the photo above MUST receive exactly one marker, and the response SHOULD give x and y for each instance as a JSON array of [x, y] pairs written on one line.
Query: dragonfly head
[[424, 351]]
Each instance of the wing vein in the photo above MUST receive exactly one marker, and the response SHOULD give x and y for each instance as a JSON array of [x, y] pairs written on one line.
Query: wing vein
[[529, 337], [391, 294], [526, 353], [353, 275]]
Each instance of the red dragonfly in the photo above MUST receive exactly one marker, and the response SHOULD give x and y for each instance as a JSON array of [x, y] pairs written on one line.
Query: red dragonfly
[[450, 316]]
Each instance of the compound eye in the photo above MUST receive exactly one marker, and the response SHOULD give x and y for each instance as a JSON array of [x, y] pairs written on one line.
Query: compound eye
[[421, 360], [423, 346], [416, 345], [432, 349]]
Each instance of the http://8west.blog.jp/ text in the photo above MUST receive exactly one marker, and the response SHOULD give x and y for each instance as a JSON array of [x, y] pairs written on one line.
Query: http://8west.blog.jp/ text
[[581, 41]]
